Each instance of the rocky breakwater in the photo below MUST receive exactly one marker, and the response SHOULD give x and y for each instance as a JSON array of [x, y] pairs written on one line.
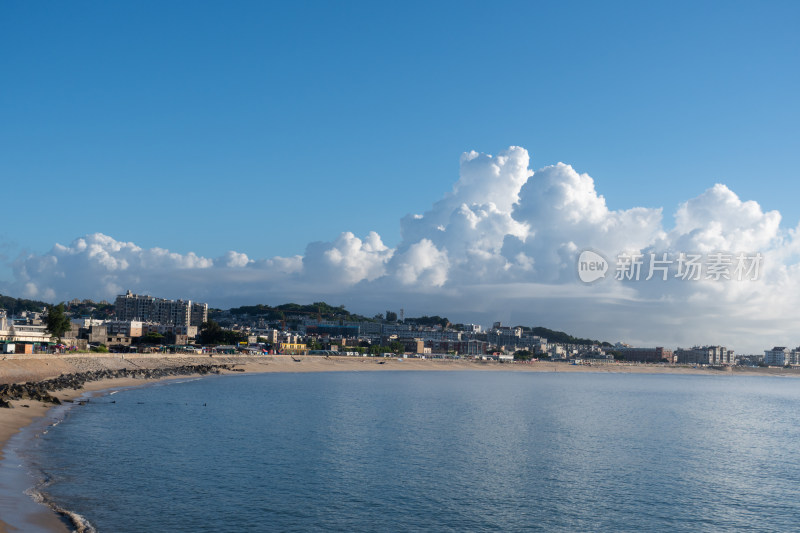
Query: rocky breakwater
[[42, 390]]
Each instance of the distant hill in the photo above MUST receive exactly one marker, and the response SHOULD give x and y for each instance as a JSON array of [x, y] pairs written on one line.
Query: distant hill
[[90, 309], [435, 320], [325, 311], [15, 306], [86, 308], [281, 312], [565, 338]]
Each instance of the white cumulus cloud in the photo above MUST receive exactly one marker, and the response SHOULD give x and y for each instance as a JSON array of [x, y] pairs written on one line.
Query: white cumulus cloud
[[348, 260], [501, 245]]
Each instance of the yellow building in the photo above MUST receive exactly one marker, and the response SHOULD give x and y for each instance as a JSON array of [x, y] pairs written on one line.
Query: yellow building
[[289, 348]]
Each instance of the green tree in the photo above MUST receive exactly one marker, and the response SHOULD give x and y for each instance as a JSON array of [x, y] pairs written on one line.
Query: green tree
[[560, 336], [378, 350], [313, 344], [152, 338], [209, 332], [57, 322], [213, 333], [522, 355], [435, 320], [391, 316], [15, 306]]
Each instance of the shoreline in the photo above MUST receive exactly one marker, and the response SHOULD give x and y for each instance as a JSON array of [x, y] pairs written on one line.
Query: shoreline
[[22, 509], [26, 413], [32, 404]]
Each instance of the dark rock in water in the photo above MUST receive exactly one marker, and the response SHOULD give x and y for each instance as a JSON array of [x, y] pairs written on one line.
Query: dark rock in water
[[40, 390], [5, 404]]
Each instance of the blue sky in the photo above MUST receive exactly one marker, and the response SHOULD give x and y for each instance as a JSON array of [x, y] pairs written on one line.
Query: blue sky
[[346, 116], [261, 127]]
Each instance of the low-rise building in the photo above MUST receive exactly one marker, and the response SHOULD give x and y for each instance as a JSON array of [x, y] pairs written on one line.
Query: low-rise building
[[27, 334], [750, 360], [292, 348], [658, 354]]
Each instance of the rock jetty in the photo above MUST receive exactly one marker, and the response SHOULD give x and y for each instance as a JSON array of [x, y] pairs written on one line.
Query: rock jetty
[[42, 390]]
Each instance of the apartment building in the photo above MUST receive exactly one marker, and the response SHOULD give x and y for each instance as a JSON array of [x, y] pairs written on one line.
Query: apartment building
[[777, 356], [145, 308], [705, 355]]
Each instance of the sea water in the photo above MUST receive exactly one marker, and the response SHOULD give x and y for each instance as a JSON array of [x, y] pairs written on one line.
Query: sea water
[[432, 451]]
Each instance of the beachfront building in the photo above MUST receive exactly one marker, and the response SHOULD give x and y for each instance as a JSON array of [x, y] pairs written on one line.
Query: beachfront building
[[145, 308], [124, 328], [750, 360], [594, 352], [705, 355], [415, 345], [462, 347], [169, 329], [691, 356], [647, 355], [86, 331], [777, 356], [720, 355], [292, 348], [21, 335], [556, 351], [513, 339]]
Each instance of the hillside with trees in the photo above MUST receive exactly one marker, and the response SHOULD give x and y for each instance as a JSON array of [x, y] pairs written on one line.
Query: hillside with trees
[[15, 306], [429, 321], [562, 337], [319, 310], [90, 309]]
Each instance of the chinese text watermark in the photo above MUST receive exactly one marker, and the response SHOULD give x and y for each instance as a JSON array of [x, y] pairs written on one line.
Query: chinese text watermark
[[663, 266]]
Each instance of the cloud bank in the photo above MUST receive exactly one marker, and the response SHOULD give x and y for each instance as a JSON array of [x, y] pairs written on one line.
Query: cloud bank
[[501, 245]]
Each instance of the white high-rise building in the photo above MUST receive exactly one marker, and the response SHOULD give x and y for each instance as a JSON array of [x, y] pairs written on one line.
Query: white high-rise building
[[777, 356], [144, 308]]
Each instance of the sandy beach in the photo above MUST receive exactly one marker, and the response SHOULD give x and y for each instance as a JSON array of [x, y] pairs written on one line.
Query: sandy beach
[[20, 369]]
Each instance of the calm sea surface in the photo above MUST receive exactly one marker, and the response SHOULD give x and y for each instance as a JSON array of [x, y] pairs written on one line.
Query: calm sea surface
[[434, 451]]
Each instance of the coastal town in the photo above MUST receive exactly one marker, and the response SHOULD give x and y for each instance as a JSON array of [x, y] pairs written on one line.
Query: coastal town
[[146, 324]]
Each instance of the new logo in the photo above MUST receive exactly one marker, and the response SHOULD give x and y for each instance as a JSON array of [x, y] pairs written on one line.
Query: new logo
[[591, 266]]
